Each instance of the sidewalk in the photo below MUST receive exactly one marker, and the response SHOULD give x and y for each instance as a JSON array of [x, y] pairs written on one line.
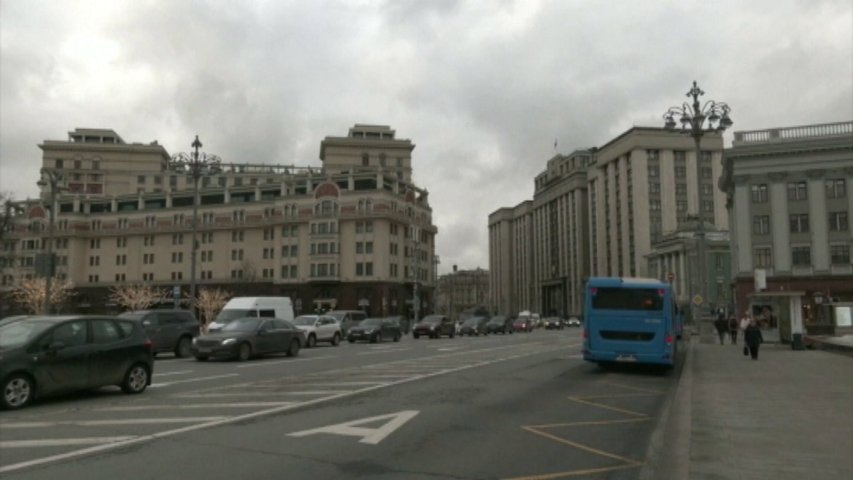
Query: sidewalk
[[788, 415]]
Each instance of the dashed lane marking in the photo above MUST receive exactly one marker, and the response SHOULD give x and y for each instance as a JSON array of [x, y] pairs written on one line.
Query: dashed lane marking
[[192, 380], [102, 423], [63, 442], [139, 408]]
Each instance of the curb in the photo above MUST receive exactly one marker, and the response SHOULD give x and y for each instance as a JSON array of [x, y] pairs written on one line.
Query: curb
[[669, 446]]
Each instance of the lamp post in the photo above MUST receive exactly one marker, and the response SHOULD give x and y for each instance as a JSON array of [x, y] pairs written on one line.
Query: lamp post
[[697, 120], [49, 178], [196, 165]]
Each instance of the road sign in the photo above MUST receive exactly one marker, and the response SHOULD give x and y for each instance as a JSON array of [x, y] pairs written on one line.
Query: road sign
[[670, 276], [697, 300]]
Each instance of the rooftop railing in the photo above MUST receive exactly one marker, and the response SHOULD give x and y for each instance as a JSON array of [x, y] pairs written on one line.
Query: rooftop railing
[[794, 133]]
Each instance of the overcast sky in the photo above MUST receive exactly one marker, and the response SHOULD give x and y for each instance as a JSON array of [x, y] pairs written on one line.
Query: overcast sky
[[482, 87]]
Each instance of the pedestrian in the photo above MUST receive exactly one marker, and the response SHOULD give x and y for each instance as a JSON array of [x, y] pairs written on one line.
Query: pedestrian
[[752, 338], [722, 327], [733, 327]]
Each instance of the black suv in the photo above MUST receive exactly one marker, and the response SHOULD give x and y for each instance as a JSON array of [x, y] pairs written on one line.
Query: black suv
[[474, 326], [169, 330], [435, 326], [375, 330]]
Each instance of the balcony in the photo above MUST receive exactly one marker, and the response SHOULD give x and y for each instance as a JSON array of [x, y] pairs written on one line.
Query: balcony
[[776, 135]]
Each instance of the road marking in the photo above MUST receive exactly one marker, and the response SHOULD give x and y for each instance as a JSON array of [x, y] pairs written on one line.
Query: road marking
[[346, 384], [62, 442], [189, 407], [289, 360], [370, 436], [258, 414], [96, 423], [182, 372], [383, 351], [214, 377]]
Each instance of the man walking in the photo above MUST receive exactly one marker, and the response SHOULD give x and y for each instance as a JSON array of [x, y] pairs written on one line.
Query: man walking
[[753, 339], [722, 327]]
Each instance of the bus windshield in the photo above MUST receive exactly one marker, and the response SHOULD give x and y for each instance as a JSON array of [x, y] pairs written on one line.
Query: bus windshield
[[645, 299]]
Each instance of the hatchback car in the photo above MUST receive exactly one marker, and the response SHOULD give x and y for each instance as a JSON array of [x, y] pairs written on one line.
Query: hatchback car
[[499, 323], [522, 325], [573, 322], [44, 355], [434, 326], [375, 330], [553, 323], [474, 326], [169, 330], [319, 328], [243, 338]]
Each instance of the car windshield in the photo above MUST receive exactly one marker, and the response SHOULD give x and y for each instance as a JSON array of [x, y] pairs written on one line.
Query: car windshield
[[432, 319], [230, 314], [371, 322], [472, 321], [242, 325], [19, 333], [306, 320]]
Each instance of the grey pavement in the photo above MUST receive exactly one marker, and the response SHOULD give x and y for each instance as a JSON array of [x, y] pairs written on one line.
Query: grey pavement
[[787, 415]]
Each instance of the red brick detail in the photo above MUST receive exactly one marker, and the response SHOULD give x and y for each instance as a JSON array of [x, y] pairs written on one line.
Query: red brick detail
[[327, 189], [410, 196], [37, 212]]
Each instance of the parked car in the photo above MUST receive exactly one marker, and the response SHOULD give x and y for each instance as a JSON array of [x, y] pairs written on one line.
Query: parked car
[[553, 323], [319, 328], [168, 330], [375, 330], [474, 326], [347, 318], [47, 355], [434, 326], [573, 322], [243, 338], [405, 323], [499, 323], [522, 325]]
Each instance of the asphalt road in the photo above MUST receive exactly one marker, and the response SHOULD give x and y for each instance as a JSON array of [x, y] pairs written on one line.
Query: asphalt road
[[514, 406]]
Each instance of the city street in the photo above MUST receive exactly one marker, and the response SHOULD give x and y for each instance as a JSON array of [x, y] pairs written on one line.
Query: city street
[[501, 406]]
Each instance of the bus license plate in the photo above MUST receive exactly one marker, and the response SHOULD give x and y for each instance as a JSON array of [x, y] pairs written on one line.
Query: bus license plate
[[626, 358]]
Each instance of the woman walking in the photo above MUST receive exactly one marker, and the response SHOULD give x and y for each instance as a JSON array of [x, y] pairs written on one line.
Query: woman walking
[[753, 339]]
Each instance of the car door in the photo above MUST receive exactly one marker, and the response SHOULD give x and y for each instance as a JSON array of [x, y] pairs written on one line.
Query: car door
[[280, 335], [111, 353], [265, 338], [62, 357], [152, 325], [170, 329], [328, 327]]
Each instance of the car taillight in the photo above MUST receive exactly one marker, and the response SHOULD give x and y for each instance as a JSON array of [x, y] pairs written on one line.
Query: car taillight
[[148, 344], [668, 339]]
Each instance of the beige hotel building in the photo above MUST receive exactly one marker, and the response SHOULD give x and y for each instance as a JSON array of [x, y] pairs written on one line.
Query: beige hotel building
[[353, 233]]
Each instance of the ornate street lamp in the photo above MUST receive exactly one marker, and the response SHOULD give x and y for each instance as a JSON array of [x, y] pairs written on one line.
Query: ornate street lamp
[[196, 165], [697, 120], [49, 178]]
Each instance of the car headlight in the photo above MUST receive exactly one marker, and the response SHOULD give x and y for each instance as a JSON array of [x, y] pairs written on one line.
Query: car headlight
[[229, 341], [432, 327], [195, 339]]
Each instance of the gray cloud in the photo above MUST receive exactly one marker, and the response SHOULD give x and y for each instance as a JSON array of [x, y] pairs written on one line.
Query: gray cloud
[[483, 88]]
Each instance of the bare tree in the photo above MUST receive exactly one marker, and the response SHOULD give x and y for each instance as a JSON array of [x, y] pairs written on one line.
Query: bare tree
[[250, 272], [136, 296], [8, 213], [30, 293], [209, 303]]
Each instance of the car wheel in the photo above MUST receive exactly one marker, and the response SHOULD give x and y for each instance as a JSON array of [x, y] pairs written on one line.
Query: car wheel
[[245, 352], [397, 337], [18, 391], [293, 349], [136, 379], [312, 340], [182, 349], [336, 339], [201, 358], [415, 336]]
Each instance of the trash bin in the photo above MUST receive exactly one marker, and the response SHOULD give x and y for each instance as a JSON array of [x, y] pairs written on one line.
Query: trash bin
[[797, 342]]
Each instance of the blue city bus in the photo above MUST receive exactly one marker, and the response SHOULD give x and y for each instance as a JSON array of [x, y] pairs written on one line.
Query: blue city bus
[[631, 320]]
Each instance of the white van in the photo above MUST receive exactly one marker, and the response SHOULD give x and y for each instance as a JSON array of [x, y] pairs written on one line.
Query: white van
[[239, 307]]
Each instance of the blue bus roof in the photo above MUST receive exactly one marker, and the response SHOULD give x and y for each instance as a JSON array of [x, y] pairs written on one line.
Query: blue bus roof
[[635, 282]]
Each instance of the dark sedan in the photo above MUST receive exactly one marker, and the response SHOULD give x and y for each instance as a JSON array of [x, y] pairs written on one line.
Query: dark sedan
[[375, 330], [47, 355], [474, 326], [434, 326], [243, 338], [499, 323]]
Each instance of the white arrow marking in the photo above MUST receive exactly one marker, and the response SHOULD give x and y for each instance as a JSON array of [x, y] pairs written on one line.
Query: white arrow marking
[[369, 435]]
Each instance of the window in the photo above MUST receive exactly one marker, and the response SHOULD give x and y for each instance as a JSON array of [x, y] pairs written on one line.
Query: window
[[759, 193], [105, 331], [681, 205], [707, 189], [654, 205], [70, 334], [680, 172], [762, 258], [838, 222], [797, 191], [140, 179], [801, 256], [681, 189], [654, 187], [799, 223], [836, 188], [707, 172], [365, 159], [761, 225], [654, 171], [840, 254]]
